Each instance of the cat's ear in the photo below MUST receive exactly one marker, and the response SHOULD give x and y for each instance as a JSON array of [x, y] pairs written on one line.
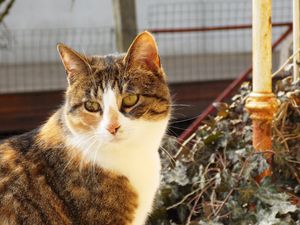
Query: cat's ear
[[143, 52], [74, 63]]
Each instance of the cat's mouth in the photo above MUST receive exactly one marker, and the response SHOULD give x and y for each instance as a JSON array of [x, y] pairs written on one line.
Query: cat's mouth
[[115, 138]]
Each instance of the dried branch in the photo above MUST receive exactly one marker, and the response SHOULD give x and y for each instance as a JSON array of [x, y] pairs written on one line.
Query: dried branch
[[6, 9]]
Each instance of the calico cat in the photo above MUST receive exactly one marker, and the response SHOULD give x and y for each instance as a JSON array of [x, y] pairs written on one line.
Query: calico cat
[[95, 161]]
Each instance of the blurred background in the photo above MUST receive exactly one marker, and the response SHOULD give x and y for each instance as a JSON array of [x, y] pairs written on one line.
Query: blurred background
[[204, 45]]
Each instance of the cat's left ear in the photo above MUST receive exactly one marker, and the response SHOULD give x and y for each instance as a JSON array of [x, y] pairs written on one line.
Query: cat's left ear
[[75, 63], [143, 52]]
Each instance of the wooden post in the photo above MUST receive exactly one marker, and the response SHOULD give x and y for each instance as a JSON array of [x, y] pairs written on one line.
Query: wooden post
[[296, 38], [262, 103], [125, 23]]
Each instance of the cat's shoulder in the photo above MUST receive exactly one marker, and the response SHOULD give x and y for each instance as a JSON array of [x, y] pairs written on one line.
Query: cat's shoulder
[[12, 160], [20, 143]]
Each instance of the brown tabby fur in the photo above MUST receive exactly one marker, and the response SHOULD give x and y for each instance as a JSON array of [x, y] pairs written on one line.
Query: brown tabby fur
[[41, 182]]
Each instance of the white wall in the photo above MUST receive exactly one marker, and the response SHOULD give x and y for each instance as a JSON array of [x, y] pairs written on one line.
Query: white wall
[[60, 14], [186, 57], [32, 14]]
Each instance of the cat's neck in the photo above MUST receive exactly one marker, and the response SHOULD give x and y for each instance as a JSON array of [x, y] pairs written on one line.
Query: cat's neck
[[52, 133]]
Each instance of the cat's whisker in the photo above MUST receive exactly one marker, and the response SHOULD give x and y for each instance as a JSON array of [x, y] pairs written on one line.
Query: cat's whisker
[[175, 127], [175, 140], [78, 152], [94, 158], [170, 131], [172, 160], [95, 150], [146, 111], [179, 105], [185, 120], [86, 151]]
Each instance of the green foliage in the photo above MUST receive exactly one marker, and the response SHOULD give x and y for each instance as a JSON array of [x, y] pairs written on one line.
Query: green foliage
[[213, 181]]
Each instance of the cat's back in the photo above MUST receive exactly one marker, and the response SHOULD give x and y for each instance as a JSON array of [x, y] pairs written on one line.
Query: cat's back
[[14, 158]]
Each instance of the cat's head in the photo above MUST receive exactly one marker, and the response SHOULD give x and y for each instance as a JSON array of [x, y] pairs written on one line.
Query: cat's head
[[116, 98]]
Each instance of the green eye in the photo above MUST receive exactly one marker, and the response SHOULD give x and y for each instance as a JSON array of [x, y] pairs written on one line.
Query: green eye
[[92, 106], [130, 100]]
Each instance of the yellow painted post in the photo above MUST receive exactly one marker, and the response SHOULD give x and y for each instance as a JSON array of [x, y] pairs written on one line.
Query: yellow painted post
[[262, 103], [296, 38]]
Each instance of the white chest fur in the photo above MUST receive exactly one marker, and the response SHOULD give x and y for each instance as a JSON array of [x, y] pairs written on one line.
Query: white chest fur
[[142, 168], [137, 158]]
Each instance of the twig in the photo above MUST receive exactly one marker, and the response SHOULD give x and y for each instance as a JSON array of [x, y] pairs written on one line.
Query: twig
[[264, 152], [6, 10], [182, 147], [233, 189], [286, 62], [286, 106], [196, 203], [188, 195], [172, 160], [297, 177], [225, 215], [293, 161], [183, 200], [225, 200], [280, 136], [291, 138]]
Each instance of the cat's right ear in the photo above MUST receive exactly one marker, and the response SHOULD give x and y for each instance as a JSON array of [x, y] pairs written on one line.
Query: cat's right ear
[[75, 64]]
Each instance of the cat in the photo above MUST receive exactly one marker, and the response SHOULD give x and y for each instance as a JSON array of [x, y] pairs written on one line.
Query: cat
[[96, 160]]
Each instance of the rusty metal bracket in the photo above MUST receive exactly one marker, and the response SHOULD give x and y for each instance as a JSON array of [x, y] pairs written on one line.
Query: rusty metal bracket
[[262, 108]]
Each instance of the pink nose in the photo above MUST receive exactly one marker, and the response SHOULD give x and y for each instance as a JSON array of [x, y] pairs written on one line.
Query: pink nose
[[113, 128]]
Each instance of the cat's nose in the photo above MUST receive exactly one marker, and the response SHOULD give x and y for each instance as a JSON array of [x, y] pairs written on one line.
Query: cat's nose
[[113, 128]]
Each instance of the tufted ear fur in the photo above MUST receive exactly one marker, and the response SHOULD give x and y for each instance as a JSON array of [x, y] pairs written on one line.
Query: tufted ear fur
[[143, 52], [74, 63]]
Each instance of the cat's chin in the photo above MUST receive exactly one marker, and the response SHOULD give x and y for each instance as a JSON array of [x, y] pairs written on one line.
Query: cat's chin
[[115, 139], [107, 137]]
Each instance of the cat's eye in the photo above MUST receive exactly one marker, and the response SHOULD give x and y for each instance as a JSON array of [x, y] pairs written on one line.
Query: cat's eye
[[130, 100], [92, 106]]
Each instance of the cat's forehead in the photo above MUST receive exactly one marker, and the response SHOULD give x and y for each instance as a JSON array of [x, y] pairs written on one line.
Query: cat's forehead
[[109, 72], [106, 61], [106, 66]]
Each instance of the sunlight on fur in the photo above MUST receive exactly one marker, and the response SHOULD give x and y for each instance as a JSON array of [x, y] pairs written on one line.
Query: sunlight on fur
[[95, 161]]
